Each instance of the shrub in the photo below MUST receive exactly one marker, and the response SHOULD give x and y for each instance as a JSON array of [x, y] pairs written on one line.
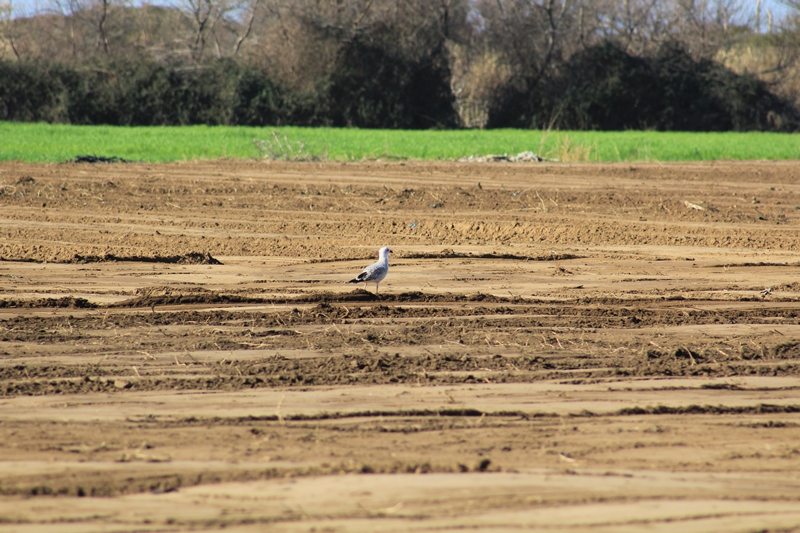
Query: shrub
[[153, 94], [371, 88], [605, 88], [32, 92], [149, 93], [262, 102], [91, 95]]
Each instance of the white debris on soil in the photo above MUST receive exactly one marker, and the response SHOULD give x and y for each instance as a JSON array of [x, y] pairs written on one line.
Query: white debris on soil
[[522, 157]]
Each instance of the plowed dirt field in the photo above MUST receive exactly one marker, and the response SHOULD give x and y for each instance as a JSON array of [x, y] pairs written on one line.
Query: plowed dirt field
[[556, 347]]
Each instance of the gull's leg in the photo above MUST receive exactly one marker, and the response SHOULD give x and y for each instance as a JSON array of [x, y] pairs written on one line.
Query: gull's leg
[[376, 287]]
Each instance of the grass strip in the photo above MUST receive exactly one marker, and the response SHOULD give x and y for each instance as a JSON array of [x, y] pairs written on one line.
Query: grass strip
[[42, 142]]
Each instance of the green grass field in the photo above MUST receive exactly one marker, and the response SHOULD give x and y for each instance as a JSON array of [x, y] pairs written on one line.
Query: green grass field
[[56, 142]]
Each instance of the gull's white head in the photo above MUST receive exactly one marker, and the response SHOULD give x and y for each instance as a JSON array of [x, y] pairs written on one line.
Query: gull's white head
[[384, 252]]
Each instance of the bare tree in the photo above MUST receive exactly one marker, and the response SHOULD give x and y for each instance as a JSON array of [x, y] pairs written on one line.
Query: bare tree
[[706, 26], [68, 9], [91, 21], [637, 25], [204, 14], [298, 41], [102, 18], [225, 23], [8, 29], [532, 35], [247, 26]]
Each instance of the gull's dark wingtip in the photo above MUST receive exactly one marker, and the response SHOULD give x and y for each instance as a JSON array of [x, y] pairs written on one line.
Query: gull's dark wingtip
[[358, 279]]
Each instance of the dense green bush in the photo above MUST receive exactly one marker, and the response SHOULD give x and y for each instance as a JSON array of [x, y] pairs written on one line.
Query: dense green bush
[[148, 93], [605, 88], [262, 102], [31, 92], [152, 94], [372, 89], [90, 95]]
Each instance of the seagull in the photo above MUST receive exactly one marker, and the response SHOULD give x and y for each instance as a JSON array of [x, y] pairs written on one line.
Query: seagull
[[376, 271]]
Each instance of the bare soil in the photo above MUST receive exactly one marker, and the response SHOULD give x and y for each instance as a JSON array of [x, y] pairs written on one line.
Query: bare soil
[[559, 347]]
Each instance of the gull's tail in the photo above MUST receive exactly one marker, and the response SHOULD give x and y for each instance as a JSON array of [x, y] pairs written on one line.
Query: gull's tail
[[359, 278]]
